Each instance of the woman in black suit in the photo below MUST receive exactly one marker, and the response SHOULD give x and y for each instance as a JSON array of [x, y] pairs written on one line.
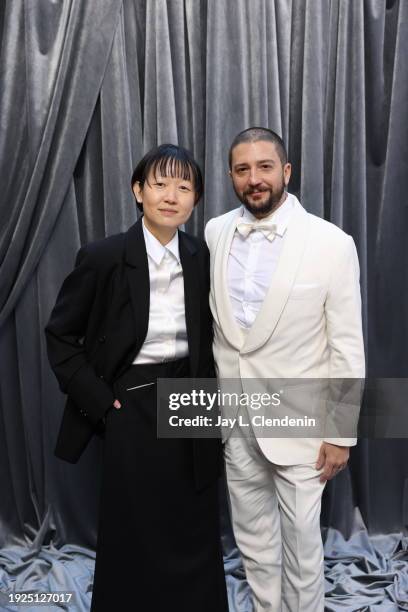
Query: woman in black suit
[[135, 309]]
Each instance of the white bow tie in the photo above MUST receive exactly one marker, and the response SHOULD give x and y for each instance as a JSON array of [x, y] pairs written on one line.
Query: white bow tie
[[266, 227]]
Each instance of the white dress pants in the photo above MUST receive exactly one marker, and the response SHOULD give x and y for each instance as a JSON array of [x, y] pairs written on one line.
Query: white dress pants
[[275, 513]]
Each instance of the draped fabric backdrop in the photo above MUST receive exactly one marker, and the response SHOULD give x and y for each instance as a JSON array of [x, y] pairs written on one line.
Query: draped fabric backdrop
[[86, 89]]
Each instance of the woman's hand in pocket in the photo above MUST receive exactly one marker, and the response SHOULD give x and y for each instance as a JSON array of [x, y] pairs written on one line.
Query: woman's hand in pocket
[[117, 404]]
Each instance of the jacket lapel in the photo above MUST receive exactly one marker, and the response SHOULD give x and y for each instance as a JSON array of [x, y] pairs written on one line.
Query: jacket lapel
[[282, 281], [226, 318], [137, 272], [192, 292]]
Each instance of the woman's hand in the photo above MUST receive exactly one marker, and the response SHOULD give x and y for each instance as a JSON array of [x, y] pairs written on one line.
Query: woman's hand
[[117, 404]]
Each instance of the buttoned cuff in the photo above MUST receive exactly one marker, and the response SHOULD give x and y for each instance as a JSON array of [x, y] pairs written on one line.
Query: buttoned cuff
[[90, 393]]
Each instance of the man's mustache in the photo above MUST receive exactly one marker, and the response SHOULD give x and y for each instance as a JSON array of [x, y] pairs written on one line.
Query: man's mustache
[[259, 190]]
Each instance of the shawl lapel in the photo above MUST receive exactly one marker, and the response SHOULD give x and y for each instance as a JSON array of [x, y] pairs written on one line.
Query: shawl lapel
[[282, 281]]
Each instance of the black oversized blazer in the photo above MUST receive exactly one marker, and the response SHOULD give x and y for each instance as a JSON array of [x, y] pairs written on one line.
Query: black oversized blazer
[[99, 324]]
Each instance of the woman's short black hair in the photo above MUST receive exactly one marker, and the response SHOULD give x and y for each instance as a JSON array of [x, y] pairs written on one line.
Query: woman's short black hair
[[169, 160]]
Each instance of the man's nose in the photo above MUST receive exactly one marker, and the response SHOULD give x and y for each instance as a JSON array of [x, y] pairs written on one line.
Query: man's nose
[[254, 178]]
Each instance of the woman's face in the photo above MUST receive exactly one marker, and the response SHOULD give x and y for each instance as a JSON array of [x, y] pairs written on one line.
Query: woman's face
[[167, 201]]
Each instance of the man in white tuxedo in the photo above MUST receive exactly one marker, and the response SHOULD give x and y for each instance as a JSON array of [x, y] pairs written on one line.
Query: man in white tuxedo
[[286, 303]]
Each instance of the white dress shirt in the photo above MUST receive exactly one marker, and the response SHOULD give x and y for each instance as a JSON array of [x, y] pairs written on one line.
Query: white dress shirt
[[252, 262], [166, 337]]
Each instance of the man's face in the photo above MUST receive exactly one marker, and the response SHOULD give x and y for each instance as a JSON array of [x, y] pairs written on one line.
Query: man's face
[[258, 176]]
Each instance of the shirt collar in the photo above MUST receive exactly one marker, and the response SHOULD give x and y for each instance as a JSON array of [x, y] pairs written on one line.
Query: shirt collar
[[156, 250], [281, 216]]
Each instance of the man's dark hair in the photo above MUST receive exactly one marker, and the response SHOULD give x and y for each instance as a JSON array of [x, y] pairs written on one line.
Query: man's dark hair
[[255, 134], [169, 160]]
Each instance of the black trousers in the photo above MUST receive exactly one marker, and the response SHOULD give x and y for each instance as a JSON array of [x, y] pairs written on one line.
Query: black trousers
[[158, 544]]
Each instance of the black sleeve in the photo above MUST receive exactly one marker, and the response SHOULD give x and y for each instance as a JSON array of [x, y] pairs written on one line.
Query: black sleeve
[[66, 352]]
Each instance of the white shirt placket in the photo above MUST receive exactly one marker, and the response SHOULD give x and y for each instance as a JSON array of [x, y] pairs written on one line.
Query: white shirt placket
[[255, 241], [169, 348]]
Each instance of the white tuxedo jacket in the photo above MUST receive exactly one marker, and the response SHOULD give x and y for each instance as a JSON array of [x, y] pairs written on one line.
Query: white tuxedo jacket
[[309, 325]]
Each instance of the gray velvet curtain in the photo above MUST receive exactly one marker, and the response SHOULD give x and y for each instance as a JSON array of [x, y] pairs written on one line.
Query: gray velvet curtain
[[85, 89]]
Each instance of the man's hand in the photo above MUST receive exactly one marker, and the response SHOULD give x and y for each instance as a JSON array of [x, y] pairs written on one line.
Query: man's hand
[[332, 459], [117, 404]]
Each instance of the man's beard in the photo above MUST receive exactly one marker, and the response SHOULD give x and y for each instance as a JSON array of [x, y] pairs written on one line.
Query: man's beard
[[264, 209]]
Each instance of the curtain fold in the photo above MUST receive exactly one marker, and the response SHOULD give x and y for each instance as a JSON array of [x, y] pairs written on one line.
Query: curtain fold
[[63, 52]]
